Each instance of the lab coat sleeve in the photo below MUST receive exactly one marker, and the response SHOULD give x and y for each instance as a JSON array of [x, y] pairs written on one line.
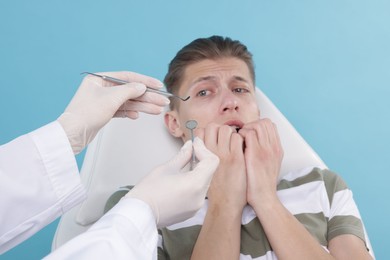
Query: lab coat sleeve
[[127, 231], [39, 181]]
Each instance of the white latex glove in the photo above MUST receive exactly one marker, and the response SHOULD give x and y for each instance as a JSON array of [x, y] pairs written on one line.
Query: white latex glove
[[173, 195], [97, 101]]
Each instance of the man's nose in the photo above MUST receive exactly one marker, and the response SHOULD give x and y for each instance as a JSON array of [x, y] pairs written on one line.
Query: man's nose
[[229, 101]]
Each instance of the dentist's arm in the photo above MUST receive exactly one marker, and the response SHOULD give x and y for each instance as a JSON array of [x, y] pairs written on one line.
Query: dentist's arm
[[38, 172], [165, 196]]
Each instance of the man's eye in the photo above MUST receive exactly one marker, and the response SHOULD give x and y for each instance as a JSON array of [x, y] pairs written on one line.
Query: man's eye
[[202, 93], [240, 90]]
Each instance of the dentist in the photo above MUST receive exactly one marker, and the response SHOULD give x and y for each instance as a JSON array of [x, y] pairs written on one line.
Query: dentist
[[43, 182]]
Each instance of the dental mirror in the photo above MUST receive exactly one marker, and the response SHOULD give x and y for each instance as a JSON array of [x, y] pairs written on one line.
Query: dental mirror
[[191, 125]]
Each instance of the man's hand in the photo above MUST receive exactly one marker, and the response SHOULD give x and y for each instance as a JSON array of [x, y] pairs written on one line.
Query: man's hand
[[263, 158], [228, 187], [219, 237]]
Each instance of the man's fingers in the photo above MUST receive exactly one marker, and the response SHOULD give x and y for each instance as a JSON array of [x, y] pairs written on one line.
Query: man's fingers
[[211, 136], [224, 138]]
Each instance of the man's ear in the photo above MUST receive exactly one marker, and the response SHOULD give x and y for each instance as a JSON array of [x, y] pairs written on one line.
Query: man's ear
[[172, 123]]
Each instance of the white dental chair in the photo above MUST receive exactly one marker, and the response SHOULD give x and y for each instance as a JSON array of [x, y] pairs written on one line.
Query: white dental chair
[[125, 150]]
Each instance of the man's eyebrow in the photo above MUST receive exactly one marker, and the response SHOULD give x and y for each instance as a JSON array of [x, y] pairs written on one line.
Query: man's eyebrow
[[238, 78], [206, 78], [201, 79]]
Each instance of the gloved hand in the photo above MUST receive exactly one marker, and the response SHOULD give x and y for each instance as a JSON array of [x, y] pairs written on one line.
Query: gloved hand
[[173, 195], [97, 101]]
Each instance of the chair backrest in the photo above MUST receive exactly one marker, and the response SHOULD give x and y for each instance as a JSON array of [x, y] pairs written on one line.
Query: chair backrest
[[125, 150]]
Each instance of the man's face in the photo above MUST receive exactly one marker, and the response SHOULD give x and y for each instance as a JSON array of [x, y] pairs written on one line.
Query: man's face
[[221, 91]]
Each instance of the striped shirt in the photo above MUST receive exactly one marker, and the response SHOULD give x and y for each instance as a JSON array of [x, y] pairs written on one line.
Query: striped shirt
[[319, 199]]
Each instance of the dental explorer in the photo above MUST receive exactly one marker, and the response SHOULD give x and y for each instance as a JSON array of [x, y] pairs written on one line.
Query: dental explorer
[[120, 81]]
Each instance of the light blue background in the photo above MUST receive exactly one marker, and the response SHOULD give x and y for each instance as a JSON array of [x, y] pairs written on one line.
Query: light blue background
[[325, 64]]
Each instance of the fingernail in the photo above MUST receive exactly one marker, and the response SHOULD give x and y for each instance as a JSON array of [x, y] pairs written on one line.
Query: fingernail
[[167, 101]]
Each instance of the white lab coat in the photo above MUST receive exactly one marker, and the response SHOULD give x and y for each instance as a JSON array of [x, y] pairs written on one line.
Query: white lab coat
[[39, 181], [127, 231]]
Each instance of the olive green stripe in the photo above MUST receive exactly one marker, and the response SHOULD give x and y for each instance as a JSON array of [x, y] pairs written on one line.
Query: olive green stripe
[[314, 175], [333, 184], [341, 225], [114, 199], [253, 239], [316, 224], [179, 243]]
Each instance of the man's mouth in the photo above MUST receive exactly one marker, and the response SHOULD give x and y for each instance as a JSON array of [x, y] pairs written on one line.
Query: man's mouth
[[236, 124]]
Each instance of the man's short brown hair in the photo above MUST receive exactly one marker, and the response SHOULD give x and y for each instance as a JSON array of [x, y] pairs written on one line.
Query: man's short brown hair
[[214, 47]]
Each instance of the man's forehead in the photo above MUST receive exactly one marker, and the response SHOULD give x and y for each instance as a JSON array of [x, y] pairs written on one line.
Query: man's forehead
[[214, 70], [213, 78]]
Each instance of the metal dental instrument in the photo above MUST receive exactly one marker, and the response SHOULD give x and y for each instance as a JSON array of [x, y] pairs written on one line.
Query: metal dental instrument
[[191, 125], [119, 81]]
